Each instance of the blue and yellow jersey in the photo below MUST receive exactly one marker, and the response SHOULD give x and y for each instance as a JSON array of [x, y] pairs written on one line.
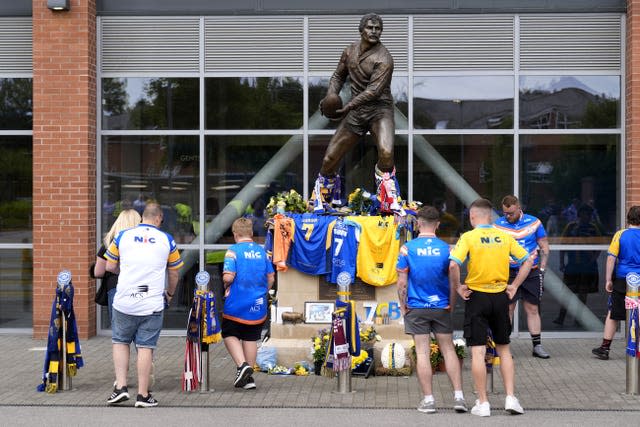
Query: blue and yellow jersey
[[489, 251], [378, 250], [625, 246], [527, 231], [311, 238], [345, 235]]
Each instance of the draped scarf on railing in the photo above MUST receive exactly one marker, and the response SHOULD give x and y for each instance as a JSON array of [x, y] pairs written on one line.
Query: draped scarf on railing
[[62, 307], [633, 332], [202, 329]]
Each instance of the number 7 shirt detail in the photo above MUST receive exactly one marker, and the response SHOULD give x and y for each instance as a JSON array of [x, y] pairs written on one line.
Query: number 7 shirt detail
[[308, 252]]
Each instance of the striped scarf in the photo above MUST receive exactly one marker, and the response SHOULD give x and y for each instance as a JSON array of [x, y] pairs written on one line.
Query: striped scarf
[[62, 308], [633, 332]]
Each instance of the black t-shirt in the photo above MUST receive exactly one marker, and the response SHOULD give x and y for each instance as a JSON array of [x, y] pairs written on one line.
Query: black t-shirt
[[109, 279]]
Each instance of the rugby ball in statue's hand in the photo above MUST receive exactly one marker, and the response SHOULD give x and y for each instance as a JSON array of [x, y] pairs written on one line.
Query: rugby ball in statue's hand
[[393, 356], [330, 104]]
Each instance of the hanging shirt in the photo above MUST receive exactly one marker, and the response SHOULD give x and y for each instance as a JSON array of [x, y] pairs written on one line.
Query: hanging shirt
[[343, 250], [488, 250], [247, 299], [527, 231], [426, 262], [282, 235], [378, 250], [625, 246], [308, 252]]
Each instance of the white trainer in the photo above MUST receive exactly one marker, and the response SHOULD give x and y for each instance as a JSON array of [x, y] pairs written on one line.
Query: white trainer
[[481, 409], [512, 406]]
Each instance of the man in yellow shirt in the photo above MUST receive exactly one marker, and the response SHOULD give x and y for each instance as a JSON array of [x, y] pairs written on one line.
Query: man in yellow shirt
[[487, 298]]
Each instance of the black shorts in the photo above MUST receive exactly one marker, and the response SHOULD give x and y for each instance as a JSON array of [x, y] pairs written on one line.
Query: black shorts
[[616, 306], [530, 290], [242, 331], [421, 321], [483, 311]]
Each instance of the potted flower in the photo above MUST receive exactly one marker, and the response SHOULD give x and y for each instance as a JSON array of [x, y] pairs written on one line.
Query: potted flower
[[369, 336], [320, 344]]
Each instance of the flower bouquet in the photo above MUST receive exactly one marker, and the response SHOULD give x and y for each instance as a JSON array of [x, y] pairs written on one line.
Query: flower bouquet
[[319, 347]]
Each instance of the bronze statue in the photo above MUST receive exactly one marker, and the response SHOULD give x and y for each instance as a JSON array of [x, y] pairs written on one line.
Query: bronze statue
[[369, 66]]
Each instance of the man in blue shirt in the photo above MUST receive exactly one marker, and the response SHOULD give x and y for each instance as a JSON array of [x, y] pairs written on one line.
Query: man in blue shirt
[[247, 276], [530, 234], [425, 300], [625, 249]]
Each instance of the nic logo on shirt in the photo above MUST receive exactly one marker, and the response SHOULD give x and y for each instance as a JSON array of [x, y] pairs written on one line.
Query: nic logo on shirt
[[144, 239]]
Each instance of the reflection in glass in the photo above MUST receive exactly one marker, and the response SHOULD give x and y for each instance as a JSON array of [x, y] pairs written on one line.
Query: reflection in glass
[[16, 181], [358, 165], [16, 110], [137, 169], [559, 173], [569, 102], [233, 161], [143, 103], [16, 288], [254, 102], [463, 102], [582, 273], [318, 89], [485, 162]]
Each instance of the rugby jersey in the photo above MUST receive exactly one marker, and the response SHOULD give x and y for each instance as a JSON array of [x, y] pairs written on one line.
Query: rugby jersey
[[625, 246], [308, 251], [344, 249], [378, 250], [144, 253], [488, 250], [527, 231], [247, 299]]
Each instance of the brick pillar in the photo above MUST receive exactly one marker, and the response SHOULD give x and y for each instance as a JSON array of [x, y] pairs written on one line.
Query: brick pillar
[[632, 88], [64, 158]]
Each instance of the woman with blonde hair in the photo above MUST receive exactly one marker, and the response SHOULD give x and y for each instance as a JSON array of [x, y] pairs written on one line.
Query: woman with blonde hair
[[128, 218]]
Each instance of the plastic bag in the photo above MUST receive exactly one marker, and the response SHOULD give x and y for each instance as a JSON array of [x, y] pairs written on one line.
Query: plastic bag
[[267, 358]]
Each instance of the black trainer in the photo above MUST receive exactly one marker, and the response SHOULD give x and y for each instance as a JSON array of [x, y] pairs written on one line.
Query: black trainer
[[244, 372], [601, 353], [146, 402], [250, 384], [118, 395]]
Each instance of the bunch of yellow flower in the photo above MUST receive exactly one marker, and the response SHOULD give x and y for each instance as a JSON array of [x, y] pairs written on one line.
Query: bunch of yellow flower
[[320, 343], [356, 360], [369, 335]]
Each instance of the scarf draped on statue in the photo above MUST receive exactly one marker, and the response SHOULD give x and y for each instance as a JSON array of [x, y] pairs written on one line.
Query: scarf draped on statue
[[203, 329], [61, 309], [344, 338]]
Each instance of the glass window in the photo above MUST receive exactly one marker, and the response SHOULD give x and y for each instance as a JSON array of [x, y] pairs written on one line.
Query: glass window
[[254, 102], [16, 111], [569, 102], [564, 175], [16, 182], [254, 168], [16, 288], [358, 166], [318, 89], [137, 169], [443, 164], [463, 102], [142, 103]]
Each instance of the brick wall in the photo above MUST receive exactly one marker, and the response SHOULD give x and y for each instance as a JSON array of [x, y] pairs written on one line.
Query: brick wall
[[632, 87], [64, 158]]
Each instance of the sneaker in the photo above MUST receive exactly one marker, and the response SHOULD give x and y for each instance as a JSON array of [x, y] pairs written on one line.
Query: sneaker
[[249, 384], [539, 351], [481, 409], [244, 372], [427, 407], [119, 395], [601, 353], [512, 406], [146, 402], [459, 405]]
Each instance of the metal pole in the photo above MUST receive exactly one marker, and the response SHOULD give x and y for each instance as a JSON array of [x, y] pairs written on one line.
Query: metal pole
[[202, 282], [64, 380], [631, 303], [344, 377]]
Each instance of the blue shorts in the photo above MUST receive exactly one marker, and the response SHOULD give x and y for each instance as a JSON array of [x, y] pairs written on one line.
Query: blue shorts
[[143, 330]]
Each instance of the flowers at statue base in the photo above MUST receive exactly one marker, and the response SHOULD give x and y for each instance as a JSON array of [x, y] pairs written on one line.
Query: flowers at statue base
[[287, 201], [435, 355], [320, 343], [357, 360], [369, 335]]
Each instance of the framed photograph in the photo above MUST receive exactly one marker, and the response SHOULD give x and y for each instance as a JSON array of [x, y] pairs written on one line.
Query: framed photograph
[[318, 312]]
